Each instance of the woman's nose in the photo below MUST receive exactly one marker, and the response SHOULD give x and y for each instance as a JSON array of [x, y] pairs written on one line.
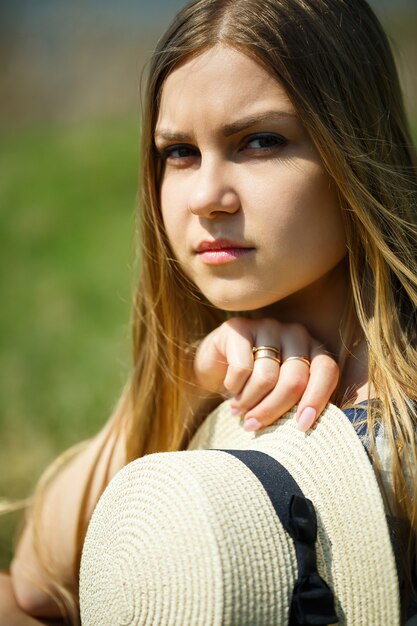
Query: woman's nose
[[213, 191]]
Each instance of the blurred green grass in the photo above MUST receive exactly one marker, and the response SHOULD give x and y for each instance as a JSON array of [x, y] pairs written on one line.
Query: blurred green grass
[[67, 204]]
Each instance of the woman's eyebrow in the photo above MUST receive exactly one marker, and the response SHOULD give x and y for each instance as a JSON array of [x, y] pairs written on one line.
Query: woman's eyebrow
[[257, 118], [232, 128], [171, 135]]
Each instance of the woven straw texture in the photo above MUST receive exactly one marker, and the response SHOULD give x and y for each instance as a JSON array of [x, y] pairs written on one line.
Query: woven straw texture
[[191, 538]]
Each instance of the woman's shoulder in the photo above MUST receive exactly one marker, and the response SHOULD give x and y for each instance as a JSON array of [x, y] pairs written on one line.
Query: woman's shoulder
[[357, 415], [73, 492], [378, 450]]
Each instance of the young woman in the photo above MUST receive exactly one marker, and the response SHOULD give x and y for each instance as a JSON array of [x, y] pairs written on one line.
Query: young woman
[[278, 204]]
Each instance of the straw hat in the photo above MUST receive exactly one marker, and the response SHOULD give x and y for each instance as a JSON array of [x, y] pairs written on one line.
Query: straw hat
[[226, 536]]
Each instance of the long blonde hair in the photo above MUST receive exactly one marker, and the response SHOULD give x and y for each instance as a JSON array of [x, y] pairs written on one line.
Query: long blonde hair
[[334, 60]]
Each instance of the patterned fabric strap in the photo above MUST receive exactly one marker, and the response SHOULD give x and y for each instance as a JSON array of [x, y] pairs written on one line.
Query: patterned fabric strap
[[357, 415]]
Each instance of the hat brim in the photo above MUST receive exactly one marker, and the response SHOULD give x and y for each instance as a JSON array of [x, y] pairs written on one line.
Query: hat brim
[[192, 538]]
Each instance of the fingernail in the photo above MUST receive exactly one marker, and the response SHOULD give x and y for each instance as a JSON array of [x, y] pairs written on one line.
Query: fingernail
[[235, 410], [251, 424], [307, 418]]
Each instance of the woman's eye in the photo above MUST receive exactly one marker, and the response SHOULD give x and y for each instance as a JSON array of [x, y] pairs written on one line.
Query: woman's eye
[[178, 153], [264, 142]]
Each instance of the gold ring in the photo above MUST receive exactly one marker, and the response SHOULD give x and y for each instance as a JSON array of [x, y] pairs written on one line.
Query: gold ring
[[300, 357], [267, 352]]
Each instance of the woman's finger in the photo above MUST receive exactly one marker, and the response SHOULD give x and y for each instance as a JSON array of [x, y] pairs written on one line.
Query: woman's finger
[[239, 369], [235, 343], [265, 364], [263, 379], [324, 376], [265, 408], [293, 380], [223, 360], [311, 386]]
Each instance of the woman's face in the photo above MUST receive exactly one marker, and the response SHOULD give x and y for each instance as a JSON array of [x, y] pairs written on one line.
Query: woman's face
[[250, 213]]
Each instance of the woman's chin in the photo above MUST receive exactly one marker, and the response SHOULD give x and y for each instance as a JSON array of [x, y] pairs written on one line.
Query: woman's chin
[[238, 303]]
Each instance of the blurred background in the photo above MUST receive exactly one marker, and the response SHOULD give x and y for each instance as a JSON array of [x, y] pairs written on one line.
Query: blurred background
[[70, 75]]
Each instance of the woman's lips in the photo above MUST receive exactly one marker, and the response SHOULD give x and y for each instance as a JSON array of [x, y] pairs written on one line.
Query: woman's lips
[[221, 251]]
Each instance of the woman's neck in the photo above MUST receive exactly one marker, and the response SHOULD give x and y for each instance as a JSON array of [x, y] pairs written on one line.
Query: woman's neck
[[321, 308]]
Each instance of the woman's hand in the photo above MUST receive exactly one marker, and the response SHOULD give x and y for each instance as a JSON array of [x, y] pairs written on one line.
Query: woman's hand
[[262, 389]]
